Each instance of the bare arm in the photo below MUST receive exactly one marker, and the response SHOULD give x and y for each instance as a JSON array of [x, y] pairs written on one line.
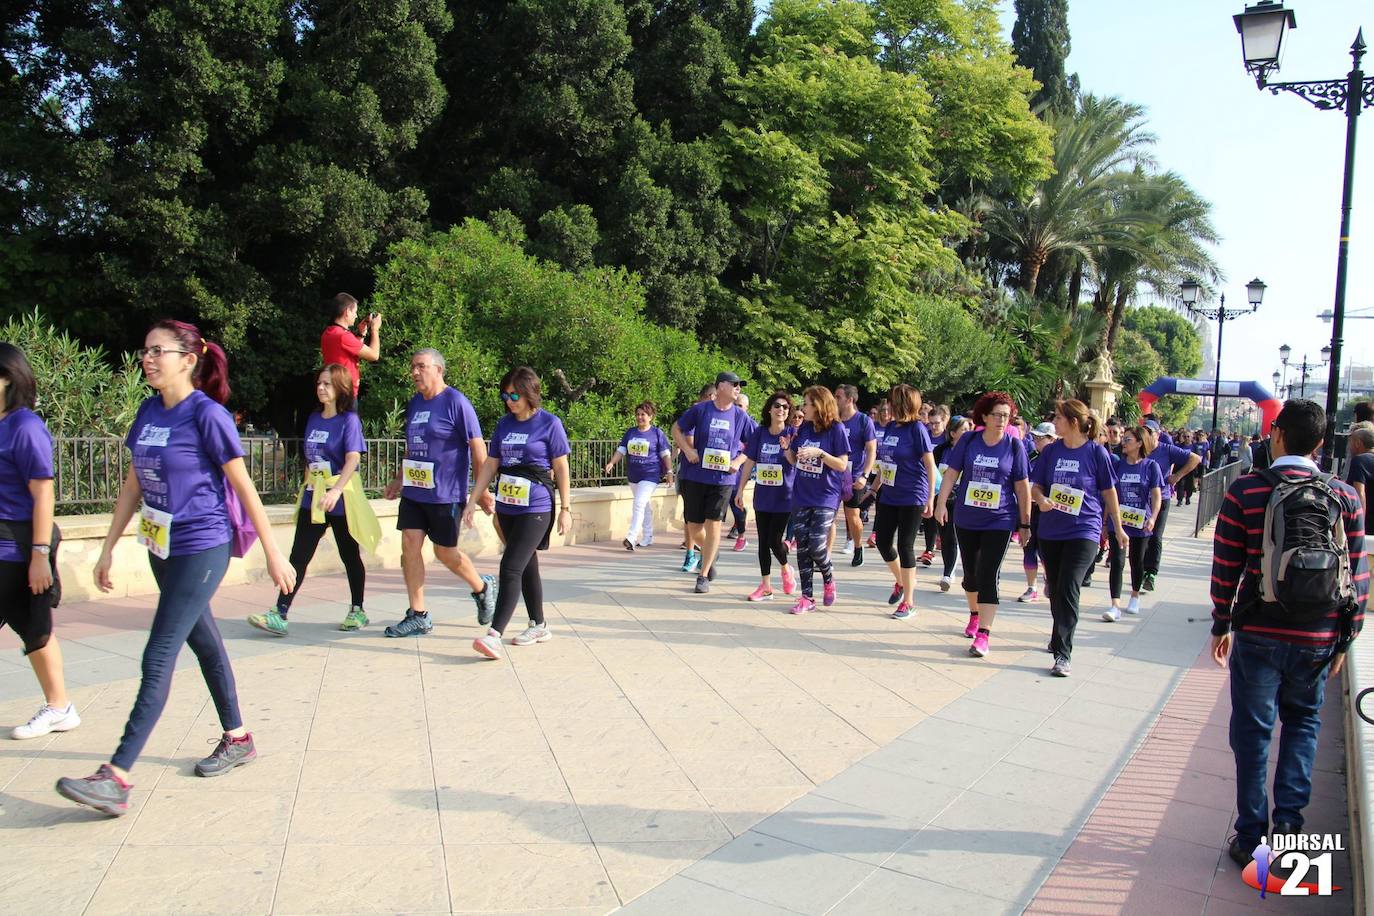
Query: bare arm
[[477, 450], [130, 493], [1023, 500], [372, 350], [40, 565], [561, 478]]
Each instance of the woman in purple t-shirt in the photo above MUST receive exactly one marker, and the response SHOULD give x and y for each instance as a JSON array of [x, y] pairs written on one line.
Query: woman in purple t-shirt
[[528, 460], [334, 448], [772, 491], [186, 454], [647, 464], [26, 557], [820, 453]]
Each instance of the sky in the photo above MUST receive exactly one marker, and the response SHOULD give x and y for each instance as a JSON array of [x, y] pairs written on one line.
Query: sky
[[1270, 165]]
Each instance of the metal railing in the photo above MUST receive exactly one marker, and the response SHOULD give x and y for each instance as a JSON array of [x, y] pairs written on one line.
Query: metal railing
[[1211, 492], [89, 470]]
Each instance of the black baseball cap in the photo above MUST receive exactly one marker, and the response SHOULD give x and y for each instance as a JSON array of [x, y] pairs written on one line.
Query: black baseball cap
[[728, 377]]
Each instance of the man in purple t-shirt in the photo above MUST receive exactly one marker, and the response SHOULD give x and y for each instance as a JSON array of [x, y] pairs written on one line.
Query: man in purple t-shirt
[[443, 440], [863, 454]]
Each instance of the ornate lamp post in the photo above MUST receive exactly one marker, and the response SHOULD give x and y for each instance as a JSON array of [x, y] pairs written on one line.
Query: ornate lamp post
[[1188, 292], [1262, 29], [1304, 367]]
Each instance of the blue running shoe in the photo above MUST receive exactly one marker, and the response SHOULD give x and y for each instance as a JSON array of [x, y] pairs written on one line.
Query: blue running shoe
[[412, 624], [486, 600]]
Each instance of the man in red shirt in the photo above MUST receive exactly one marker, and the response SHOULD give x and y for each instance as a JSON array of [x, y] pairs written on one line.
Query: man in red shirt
[[338, 343]]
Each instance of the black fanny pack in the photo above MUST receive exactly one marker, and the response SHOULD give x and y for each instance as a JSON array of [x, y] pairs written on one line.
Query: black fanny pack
[[541, 476], [22, 534]]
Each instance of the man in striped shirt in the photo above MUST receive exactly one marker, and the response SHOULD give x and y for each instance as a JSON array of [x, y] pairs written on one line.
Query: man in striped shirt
[[1277, 663]]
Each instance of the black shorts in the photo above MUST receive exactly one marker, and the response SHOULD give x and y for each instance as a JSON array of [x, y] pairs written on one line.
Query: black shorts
[[439, 521], [705, 502], [859, 497], [29, 615]]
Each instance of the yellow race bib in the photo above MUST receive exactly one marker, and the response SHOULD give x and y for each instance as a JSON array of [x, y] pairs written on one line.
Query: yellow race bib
[[418, 474], [716, 459], [513, 491], [770, 475], [155, 531], [1133, 517], [981, 495], [888, 470], [1066, 498]]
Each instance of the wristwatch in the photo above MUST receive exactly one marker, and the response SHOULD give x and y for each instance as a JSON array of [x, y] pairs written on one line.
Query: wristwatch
[[43, 549]]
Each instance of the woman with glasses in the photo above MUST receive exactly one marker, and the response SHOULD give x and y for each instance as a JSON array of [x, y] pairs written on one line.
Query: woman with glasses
[[1140, 492], [772, 491], [529, 460], [332, 499], [1074, 485], [648, 462], [987, 472], [186, 457]]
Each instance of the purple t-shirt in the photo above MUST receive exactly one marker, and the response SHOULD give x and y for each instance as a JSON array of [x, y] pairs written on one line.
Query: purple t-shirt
[[817, 486], [903, 445], [537, 441], [437, 434], [25, 454], [330, 441], [644, 453], [987, 473], [1133, 485], [1169, 458], [1075, 478], [717, 436], [774, 475], [179, 456], [861, 431]]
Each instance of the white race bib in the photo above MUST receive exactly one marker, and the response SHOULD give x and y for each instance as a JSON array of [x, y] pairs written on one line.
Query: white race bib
[[770, 475], [513, 491], [155, 531], [418, 474], [637, 448], [981, 495], [1066, 498], [716, 459], [888, 470], [1133, 517]]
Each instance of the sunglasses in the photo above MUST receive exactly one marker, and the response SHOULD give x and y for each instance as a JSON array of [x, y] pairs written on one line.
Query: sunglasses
[[511, 396], [780, 406]]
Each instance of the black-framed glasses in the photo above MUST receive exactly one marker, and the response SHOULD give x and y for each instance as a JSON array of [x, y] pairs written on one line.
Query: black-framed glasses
[[156, 352], [511, 396]]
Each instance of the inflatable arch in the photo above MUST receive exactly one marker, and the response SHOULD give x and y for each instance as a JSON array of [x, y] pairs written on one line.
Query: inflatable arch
[[1268, 404]]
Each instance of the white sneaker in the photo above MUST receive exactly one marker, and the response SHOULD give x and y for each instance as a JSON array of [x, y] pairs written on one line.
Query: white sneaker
[[848, 547], [945, 583], [647, 542], [1133, 606], [1112, 614], [535, 633], [47, 719], [489, 645]]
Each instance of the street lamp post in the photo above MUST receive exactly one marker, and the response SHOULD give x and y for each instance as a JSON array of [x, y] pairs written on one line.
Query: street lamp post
[[1261, 29], [1188, 292], [1304, 368]]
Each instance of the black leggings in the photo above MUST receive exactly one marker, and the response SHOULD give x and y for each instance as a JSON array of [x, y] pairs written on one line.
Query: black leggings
[[930, 528], [1116, 560], [771, 527], [898, 523], [983, 554], [949, 545], [1065, 564], [520, 568], [1156, 539], [741, 517], [303, 549]]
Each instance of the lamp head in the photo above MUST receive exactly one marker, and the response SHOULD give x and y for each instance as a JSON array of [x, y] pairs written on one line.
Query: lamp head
[[1254, 292], [1326, 354], [1262, 29], [1285, 351], [1188, 291]]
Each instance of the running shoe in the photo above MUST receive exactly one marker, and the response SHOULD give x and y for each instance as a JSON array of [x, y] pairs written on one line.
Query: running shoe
[[789, 584], [791, 543], [272, 622], [926, 557], [733, 533], [355, 619], [945, 583], [694, 564], [848, 547], [971, 630], [535, 632], [1061, 667], [687, 560], [412, 624], [828, 594], [1088, 581], [228, 753], [762, 593], [629, 545], [858, 557], [647, 542], [711, 573], [1112, 614], [979, 649], [804, 605], [703, 585], [1029, 595], [486, 600], [740, 543], [1148, 585], [47, 720], [489, 645], [872, 540], [1133, 606], [896, 594], [1101, 552], [103, 791], [903, 611]]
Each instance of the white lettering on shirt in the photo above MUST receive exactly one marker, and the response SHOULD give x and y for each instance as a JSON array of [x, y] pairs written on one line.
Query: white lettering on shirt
[[986, 461], [1066, 464], [718, 423], [318, 436], [155, 436]]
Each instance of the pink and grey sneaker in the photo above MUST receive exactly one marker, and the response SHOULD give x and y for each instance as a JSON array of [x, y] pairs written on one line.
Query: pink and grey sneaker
[[872, 540], [762, 593], [1029, 595], [789, 584], [740, 543], [828, 594], [971, 631], [104, 791], [804, 605], [903, 611], [979, 649], [896, 594]]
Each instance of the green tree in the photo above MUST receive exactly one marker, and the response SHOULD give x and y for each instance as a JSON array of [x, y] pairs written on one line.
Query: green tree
[[1173, 337], [1040, 40]]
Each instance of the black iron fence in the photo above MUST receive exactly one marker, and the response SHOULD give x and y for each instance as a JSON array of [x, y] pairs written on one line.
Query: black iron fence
[[89, 470], [1210, 493]]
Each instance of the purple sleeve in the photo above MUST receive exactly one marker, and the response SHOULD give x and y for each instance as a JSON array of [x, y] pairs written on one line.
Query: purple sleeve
[[132, 435], [558, 439], [218, 437], [353, 440], [33, 450], [751, 449], [921, 439], [1156, 476], [954, 458], [467, 417], [688, 422], [1019, 465], [1179, 456], [1105, 473], [747, 426], [839, 439], [624, 445], [870, 429]]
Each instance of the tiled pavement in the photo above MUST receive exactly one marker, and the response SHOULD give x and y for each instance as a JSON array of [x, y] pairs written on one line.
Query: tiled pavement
[[687, 753]]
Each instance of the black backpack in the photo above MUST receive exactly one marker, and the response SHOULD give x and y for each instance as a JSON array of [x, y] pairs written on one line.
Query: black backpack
[[1304, 560]]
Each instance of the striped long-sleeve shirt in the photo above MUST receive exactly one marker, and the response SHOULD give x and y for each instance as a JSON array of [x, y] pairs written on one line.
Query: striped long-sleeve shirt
[[1236, 549]]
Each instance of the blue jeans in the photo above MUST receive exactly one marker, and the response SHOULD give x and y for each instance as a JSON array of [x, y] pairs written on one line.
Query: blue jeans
[[183, 618], [1271, 678]]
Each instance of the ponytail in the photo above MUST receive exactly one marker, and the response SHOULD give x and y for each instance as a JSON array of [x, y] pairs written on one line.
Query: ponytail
[[211, 372]]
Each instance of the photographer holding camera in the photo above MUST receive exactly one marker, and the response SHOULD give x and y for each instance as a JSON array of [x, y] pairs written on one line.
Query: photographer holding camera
[[339, 344]]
